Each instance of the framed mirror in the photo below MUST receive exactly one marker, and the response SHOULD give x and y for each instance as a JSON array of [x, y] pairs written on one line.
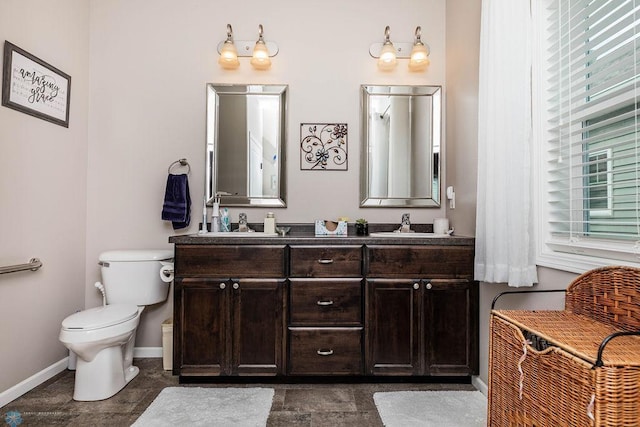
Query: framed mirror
[[401, 146], [246, 141]]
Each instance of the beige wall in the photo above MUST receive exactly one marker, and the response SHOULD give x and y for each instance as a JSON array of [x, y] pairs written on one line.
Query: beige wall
[[43, 192]]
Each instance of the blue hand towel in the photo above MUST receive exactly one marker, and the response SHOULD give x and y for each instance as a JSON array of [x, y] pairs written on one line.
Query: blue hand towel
[[177, 201]]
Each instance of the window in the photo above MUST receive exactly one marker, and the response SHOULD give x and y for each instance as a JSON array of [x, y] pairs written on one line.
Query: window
[[598, 200], [591, 159]]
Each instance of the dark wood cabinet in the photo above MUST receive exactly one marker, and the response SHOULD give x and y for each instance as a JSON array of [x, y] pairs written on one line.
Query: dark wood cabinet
[[451, 327], [325, 311], [228, 326], [257, 326], [423, 321], [201, 322], [324, 308], [393, 330]]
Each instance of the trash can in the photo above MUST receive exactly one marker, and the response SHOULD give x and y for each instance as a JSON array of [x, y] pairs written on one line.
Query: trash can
[[167, 344]]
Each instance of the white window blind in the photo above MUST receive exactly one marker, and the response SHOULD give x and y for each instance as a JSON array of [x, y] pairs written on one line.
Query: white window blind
[[593, 158]]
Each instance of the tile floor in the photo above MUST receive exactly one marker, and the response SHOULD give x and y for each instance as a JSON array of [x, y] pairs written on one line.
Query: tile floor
[[51, 403]]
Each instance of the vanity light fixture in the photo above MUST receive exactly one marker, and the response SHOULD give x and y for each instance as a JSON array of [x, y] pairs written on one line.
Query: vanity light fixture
[[388, 53], [228, 54], [387, 60], [260, 59], [260, 51], [419, 60]]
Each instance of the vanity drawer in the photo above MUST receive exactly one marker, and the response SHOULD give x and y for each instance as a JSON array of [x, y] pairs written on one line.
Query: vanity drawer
[[325, 351], [325, 301], [420, 261], [230, 261], [326, 261]]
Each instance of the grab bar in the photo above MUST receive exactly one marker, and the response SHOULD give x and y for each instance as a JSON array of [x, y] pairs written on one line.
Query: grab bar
[[34, 264]]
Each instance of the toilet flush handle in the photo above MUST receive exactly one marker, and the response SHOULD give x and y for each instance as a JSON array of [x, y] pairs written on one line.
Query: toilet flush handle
[[100, 287]]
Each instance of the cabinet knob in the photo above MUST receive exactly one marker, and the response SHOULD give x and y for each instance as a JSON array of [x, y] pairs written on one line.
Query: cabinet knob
[[325, 303], [324, 352], [222, 286], [416, 286], [236, 286], [428, 286]]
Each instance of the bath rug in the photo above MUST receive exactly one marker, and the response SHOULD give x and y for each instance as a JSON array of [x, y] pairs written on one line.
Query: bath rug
[[199, 406], [432, 408]]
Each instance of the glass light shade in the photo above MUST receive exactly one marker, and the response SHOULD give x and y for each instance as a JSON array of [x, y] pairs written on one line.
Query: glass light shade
[[387, 60], [260, 59], [228, 56], [419, 58]]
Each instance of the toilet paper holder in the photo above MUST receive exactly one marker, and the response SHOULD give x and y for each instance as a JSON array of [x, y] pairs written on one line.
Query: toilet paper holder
[[166, 271]]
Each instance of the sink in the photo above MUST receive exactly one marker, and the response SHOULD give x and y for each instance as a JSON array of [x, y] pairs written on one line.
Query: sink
[[238, 234], [407, 235]]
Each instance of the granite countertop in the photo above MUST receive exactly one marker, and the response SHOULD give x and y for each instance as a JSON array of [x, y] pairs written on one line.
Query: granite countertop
[[303, 234]]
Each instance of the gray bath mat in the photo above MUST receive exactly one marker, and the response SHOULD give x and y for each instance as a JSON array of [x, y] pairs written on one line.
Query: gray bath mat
[[432, 408], [197, 406]]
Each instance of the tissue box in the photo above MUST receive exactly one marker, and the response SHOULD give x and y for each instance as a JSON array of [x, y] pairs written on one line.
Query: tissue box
[[331, 228]]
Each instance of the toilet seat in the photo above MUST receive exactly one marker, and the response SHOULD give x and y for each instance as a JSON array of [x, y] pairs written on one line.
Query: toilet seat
[[100, 317]]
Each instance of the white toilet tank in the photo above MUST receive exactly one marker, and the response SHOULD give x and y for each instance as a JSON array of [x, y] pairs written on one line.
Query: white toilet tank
[[133, 276]]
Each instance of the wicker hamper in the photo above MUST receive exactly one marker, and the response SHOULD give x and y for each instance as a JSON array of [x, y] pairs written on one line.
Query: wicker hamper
[[564, 368]]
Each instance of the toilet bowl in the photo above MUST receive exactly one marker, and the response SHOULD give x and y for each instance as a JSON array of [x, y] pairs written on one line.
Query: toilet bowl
[[103, 338]]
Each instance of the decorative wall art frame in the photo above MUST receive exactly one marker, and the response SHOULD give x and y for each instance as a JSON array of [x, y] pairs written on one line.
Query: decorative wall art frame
[[323, 146], [34, 87]]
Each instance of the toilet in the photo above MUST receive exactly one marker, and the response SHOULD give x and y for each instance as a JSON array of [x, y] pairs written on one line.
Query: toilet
[[103, 337]]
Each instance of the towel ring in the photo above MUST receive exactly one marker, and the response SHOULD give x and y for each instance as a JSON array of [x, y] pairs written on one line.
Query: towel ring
[[181, 162]]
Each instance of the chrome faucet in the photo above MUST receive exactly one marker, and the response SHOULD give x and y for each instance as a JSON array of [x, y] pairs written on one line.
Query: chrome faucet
[[242, 222], [405, 225]]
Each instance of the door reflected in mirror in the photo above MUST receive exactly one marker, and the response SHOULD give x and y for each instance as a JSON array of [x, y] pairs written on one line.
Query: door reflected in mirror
[[246, 138], [401, 145]]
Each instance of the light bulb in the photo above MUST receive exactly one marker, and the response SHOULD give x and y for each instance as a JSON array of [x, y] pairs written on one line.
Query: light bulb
[[228, 56], [419, 57], [387, 60], [260, 59], [419, 53]]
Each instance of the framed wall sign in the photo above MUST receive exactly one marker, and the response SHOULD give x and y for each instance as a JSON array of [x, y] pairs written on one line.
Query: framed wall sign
[[34, 87]]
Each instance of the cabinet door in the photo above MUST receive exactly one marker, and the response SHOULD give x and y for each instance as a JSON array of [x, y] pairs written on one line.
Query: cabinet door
[[203, 326], [257, 326], [450, 325], [392, 338]]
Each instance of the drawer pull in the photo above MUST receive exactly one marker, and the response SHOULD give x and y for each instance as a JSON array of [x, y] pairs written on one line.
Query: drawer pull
[[325, 303], [324, 352], [325, 261]]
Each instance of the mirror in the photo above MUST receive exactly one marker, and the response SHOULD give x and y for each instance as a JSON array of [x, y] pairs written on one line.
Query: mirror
[[246, 139], [401, 143]]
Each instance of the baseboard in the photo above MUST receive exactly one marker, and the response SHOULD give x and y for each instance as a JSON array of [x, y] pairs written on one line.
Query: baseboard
[[32, 382], [480, 385], [147, 352], [40, 377]]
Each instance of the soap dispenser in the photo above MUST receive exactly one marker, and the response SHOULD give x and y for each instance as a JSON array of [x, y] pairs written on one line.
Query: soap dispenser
[[270, 223], [215, 217]]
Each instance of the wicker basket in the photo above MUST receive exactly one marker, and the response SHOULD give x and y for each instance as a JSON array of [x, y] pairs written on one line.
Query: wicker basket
[[545, 368]]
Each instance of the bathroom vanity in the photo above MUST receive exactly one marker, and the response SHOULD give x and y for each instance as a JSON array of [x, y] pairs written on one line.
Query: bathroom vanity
[[301, 305]]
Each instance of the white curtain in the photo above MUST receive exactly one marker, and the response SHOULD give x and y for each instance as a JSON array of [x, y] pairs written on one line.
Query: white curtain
[[505, 250]]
